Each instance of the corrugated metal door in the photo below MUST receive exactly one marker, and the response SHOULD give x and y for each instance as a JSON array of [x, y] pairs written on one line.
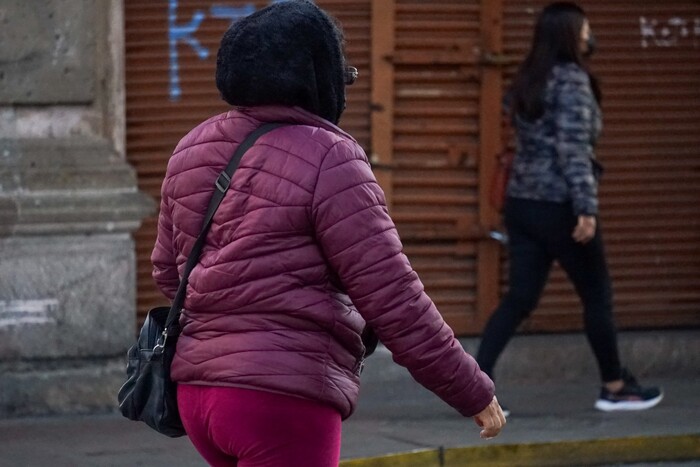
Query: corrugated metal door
[[649, 65], [170, 59], [426, 89], [431, 76]]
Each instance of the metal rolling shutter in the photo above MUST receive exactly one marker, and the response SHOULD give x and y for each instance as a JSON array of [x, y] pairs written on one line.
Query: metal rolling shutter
[[435, 151], [649, 66], [156, 121]]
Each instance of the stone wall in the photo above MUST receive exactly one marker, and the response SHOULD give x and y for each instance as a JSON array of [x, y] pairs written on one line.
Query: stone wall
[[68, 205]]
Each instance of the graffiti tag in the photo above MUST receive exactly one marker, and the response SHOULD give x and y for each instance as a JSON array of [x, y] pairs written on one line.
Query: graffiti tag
[[670, 33], [19, 312], [185, 33]]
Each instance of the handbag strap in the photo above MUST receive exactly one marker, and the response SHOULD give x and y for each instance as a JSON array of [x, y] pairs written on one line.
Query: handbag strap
[[221, 186]]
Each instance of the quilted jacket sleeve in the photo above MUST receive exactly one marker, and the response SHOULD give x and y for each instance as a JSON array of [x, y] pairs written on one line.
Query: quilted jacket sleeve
[[574, 123], [361, 243], [163, 256]]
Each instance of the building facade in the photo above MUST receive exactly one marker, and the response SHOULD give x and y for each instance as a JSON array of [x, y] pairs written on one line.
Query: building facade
[[95, 94], [68, 206], [426, 108]]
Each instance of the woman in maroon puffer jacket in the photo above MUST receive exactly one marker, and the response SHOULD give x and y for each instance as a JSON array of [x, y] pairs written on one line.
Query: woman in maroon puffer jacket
[[301, 254]]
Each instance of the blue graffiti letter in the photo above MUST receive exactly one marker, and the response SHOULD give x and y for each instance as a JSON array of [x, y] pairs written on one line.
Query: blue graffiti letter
[[182, 33], [232, 12]]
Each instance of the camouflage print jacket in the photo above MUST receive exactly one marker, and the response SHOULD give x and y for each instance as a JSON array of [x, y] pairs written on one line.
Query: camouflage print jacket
[[554, 156]]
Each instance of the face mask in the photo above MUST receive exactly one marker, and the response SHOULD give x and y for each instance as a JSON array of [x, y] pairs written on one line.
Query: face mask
[[590, 46]]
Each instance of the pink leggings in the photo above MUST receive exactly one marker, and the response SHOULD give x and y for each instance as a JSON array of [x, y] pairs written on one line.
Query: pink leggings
[[246, 428]]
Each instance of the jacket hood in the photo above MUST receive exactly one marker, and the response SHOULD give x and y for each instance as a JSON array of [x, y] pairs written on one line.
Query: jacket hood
[[289, 53]]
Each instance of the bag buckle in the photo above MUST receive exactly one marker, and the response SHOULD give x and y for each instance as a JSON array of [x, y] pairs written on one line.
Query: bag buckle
[[160, 346], [223, 182]]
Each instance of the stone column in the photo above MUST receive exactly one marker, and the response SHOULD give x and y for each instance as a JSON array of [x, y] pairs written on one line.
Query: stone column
[[68, 205]]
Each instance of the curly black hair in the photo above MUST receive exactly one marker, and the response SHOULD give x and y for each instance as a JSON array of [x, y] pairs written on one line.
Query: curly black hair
[[290, 53]]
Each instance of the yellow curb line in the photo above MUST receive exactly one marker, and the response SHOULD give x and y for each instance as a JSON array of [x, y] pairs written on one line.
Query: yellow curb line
[[562, 453], [418, 458]]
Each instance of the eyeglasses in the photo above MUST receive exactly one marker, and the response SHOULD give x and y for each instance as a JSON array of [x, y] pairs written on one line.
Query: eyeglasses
[[350, 75]]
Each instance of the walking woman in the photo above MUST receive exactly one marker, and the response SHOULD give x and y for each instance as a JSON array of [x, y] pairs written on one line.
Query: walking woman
[[300, 255], [551, 211]]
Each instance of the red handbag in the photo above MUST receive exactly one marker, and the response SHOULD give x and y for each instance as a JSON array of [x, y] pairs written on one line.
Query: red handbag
[[499, 179]]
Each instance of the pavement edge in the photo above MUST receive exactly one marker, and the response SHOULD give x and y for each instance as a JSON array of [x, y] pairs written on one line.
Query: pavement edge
[[561, 453]]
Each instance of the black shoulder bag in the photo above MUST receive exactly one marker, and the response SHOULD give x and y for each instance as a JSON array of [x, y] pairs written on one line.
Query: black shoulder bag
[[149, 395]]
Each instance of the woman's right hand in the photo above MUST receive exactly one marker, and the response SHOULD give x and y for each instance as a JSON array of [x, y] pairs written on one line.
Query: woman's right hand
[[491, 420]]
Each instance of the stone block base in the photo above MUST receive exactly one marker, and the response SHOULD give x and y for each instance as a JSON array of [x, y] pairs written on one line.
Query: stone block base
[[61, 387], [66, 320]]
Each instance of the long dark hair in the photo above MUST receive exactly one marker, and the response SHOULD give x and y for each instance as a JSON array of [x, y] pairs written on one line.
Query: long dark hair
[[556, 40]]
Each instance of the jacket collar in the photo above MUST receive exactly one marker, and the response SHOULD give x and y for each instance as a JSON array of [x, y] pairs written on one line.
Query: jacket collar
[[296, 115]]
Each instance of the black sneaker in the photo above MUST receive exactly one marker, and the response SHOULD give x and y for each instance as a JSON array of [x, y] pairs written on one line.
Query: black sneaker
[[632, 396]]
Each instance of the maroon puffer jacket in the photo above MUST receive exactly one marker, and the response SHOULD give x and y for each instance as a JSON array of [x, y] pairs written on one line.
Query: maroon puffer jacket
[[304, 221]]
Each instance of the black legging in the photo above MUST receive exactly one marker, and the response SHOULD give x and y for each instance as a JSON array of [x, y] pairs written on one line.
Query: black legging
[[540, 232]]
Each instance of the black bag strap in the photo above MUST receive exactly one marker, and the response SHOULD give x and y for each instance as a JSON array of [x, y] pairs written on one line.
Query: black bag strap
[[221, 187]]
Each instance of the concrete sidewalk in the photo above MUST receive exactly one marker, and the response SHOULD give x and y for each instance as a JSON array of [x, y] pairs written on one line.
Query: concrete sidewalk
[[397, 415], [552, 424]]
